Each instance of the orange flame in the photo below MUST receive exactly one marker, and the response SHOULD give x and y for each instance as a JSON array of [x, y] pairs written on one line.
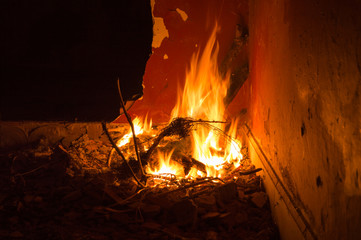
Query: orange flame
[[202, 98], [166, 166], [140, 126], [204, 88]]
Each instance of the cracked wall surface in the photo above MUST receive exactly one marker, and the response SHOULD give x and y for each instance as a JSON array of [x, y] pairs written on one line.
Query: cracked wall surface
[[305, 109]]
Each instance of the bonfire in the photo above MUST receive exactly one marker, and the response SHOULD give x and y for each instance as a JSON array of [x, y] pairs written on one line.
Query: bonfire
[[199, 142]]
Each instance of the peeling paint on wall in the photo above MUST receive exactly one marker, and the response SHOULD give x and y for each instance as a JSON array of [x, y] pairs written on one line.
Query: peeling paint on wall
[[183, 14], [160, 32]]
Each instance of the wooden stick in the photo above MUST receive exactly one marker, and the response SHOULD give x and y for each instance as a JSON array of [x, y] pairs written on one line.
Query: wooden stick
[[244, 173], [181, 127], [132, 127], [120, 154], [188, 186], [250, 171], [44, 165], [194, 162], [154, 145]]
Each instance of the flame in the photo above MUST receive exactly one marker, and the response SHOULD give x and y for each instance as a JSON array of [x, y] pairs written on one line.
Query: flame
[[204, 89], [202, 97], [140, 126], [166, 166]]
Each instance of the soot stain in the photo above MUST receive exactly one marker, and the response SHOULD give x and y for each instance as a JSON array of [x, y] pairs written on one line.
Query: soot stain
[[319, 182], [303, 129]]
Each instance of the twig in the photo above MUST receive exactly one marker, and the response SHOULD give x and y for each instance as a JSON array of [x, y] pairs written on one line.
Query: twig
[[218, 130], [165, 176], [250, 172], [102, 209], [33, 170], [181, 127], [203, 191], [126, 200], [109, 158], [178, 126], [171, 234], [235, 172], [120, 154], [44, 165], [189, 162], [187, 186], [132, 127]]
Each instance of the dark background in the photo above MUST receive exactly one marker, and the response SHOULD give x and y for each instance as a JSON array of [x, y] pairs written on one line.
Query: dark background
[[60, 60]]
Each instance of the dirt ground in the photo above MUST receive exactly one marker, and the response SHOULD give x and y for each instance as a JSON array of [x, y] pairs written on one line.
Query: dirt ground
[[53, 192]]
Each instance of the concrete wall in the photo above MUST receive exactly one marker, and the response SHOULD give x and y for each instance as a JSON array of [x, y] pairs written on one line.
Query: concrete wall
[[305, 85]]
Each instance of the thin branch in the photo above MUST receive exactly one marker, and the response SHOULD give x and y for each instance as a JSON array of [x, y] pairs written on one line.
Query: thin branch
[[190, 162], [189, 186], [33, 170], [244, 173], [132, 127], [44, 165], [120, 154], [206, 190], [218, 130], [178, 126], [250, 172], [127, 200], [102, 209], [109, 158], [181, 127]]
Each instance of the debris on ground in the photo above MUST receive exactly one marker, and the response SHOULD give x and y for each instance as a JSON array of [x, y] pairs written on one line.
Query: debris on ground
[[53, 192]]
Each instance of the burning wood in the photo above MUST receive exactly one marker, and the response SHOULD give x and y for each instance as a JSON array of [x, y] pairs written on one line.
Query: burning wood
[[192, 146], [180, 128]]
